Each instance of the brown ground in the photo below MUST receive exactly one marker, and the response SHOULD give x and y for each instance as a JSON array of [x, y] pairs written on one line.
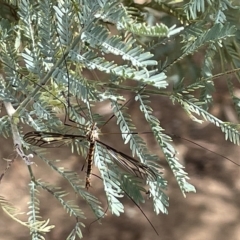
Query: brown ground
[[213, 213]]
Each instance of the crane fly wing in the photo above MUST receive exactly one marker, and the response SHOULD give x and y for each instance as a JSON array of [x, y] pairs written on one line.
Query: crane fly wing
[[49, 140], [54, 140], [130, 164]]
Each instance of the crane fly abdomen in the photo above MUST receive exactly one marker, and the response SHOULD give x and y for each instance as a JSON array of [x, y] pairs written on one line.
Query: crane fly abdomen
[[92, 136], [89, 164]]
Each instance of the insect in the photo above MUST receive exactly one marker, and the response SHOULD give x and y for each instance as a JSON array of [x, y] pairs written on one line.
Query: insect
[[48, 140]]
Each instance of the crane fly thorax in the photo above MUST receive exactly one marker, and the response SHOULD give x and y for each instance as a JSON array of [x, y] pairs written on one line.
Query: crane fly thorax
[[92, 133]]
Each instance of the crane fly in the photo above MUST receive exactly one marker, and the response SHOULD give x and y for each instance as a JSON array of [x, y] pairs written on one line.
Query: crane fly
[[54, 140]]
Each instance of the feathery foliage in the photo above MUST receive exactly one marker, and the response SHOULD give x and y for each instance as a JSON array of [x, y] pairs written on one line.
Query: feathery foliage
[[47, 46]]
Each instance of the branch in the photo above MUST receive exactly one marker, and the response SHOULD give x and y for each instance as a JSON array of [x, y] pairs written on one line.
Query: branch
[[16, 136]]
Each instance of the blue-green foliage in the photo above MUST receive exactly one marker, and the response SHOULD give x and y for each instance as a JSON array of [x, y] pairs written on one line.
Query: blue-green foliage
[[45, 52]]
